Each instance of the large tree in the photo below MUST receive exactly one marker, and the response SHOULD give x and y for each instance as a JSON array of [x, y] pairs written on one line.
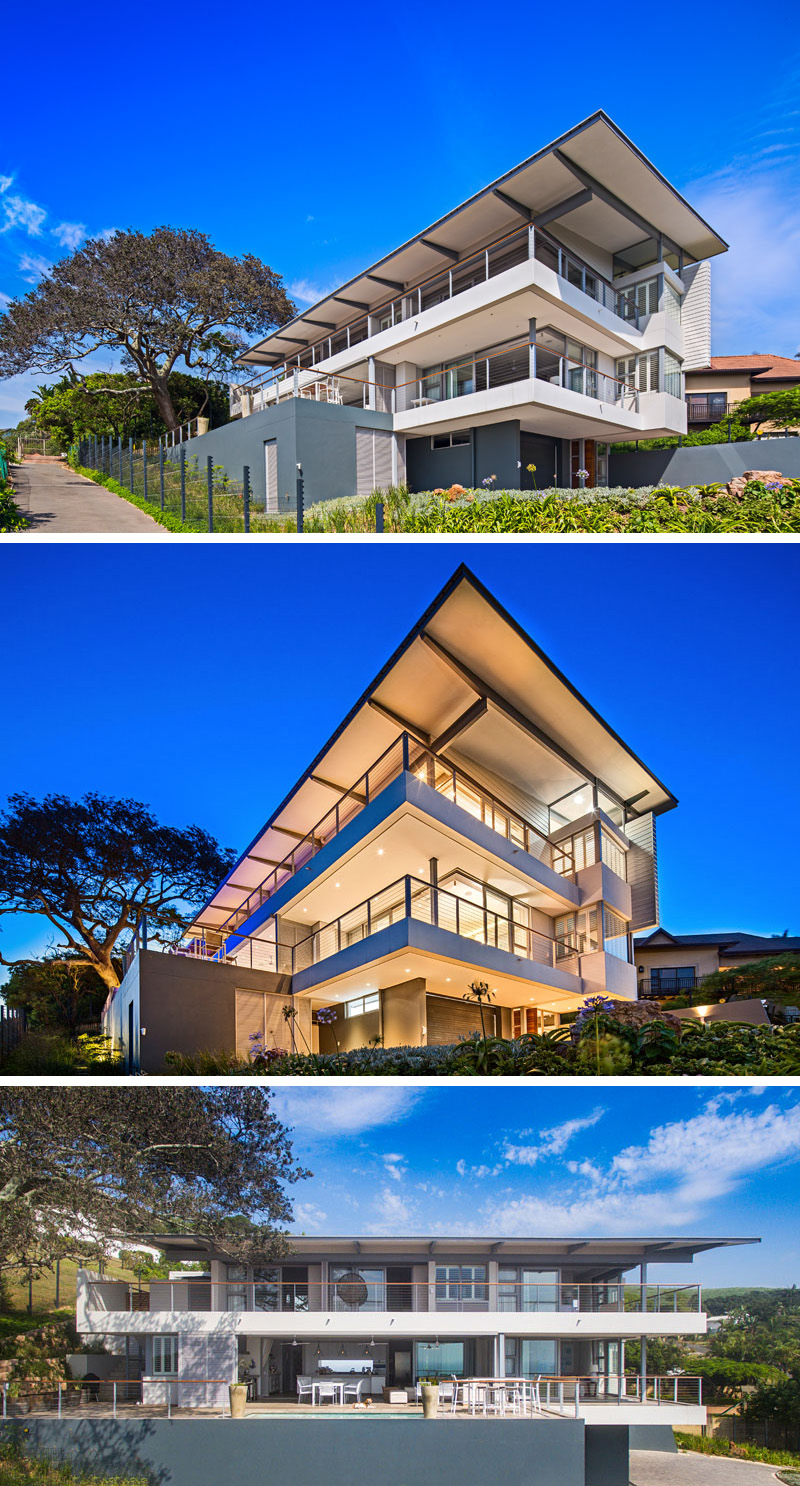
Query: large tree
[[94, 867], [157, 300], [119, 405], [781, 408], [81, 1168], [57, 992]]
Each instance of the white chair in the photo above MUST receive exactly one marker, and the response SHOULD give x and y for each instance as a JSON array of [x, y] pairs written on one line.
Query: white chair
[[326, 1388], [352, 1391], [305, 1389], [446, 1392]]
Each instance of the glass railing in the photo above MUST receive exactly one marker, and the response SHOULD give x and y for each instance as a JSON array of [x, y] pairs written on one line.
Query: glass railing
[[481, 372]]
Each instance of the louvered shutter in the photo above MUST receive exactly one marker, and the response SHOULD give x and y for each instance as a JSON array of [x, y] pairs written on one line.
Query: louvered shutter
[[249, 1019], [373, 460], [271, 473], [642, 871]]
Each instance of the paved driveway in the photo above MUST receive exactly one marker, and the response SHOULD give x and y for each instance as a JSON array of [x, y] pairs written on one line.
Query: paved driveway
[[657, 1468], [55, 499]]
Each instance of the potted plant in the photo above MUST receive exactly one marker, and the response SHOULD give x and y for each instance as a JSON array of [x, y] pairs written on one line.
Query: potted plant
[[430, 1397], [238, 1393]]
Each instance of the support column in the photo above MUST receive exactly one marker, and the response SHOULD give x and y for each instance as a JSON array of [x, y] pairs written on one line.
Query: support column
[[531, 348], [643, 1339], [371, 402]]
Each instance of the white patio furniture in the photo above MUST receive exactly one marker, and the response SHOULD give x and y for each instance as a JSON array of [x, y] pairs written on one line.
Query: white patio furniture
[[305, 1389], [352, 1390], [327, 1388]]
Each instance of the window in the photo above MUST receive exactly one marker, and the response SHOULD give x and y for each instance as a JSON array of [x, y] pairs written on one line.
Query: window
[[577, 933], [438, 1359], [612, 854], [672, 304], [672, 374], [461, 1287], [640, 371], [671, 979], [639, 299], [357, 1289], [360, 1005], [615, 934], [266, 1289], [165, 1356], [527, 1289], [450, 440], [237, 1287]]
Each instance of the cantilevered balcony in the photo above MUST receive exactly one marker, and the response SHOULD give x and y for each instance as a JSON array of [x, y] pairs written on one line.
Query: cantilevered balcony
[[522, 362]]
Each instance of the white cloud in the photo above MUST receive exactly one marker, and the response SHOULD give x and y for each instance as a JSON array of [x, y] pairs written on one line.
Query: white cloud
[[551, 1142], [107, 234], [24, 214], [307, 292], [320, 1113], [680, 1175], [309, 1215], [395, 1166], [69, 234], [478, 1172], [5, 299], [394, 1213], [5, 182], [33, 268]]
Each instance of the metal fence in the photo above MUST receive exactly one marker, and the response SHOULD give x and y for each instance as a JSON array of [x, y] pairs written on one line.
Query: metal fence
[[13, 1026], [112, 1396]]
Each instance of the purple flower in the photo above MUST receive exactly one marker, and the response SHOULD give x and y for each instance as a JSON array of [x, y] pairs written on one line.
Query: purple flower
[[326, 1015]]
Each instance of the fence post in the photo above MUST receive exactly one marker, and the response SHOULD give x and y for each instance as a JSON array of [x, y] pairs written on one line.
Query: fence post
[[144, 468], [161, 470], [210, 480], [379, 511], [300, 516], [130, 464], [183, 483], [114, 1401], [119, 457], [59, 1399], [246, 495]]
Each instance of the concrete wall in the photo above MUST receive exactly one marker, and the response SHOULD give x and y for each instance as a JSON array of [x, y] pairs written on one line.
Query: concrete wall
[[606, 1459], [187, 1005], [495, 450], [320, 436], [702, 464], [337, 1451]]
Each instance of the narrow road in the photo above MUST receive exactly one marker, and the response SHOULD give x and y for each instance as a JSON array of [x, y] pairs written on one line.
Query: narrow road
[[55, 499]]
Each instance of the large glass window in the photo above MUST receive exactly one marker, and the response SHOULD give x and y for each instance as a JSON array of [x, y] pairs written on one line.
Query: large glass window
[[438, 1359], [671, 980], [539, 1355], [266, 1289], [521, 1289], [165, 1356], [577, 933], [357, 1289], [237, 1287]]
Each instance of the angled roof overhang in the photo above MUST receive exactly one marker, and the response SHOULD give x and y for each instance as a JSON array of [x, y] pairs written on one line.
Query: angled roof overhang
[[467, 677], [592, 179]]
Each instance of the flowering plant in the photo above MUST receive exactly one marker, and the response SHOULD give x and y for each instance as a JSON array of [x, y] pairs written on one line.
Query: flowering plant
[[488, 483]]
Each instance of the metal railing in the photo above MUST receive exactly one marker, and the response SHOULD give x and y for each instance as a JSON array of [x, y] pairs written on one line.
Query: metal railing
[[705, 411], [98, 1396], [505, 252], [568, 1395], [413, 898], [653, 989], [517, 363], [404, 755], [353, 1294], [304, 382]]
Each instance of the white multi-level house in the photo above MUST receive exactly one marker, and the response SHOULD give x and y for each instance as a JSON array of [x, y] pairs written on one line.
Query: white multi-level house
[[370, 1317], [553, 313], [472, 818]]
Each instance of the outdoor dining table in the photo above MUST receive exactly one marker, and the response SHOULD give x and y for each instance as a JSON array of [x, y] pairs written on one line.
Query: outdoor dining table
[[329, 1383], [476, 1392]]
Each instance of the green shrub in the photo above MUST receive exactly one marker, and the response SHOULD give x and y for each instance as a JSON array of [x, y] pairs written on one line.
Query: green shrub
[[19, 1468], [708, 1446], [44, 1051]]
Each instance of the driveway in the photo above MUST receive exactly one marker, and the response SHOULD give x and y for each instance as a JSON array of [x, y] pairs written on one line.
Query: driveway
[[658, 1468], [55, 499]]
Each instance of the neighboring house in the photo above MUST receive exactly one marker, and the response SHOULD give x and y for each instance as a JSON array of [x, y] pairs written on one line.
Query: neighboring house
[[386, 1312], [472, 818], [552, 313], [674, 964], [714, 390]]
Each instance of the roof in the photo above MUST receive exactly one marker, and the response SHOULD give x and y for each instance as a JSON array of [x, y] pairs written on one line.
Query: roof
[[595, 148], [621, 1251], [731, 943], [464, 644], [761, 368]]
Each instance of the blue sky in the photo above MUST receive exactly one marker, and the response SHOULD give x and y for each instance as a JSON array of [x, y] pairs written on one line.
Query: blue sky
[[203, 679], [541, 1161], [319, 138]]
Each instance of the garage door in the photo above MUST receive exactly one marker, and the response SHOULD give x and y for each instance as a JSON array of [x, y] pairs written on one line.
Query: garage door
[[373, 460], [450, 1020]]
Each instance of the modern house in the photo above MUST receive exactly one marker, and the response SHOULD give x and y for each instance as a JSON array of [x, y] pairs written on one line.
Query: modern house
[[472, 818], [379, 1314], [674, 964], [714, 390], [553, 313]]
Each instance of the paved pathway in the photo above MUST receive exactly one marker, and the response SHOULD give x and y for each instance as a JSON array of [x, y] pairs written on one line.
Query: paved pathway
[[658, 1468], [55, 499]]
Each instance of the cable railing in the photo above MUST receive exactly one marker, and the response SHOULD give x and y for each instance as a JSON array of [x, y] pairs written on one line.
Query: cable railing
[[482, 372], [404, 755], [353, 1293], [571, 1394], [412, 898], [505, 252], [338, 389], [108, 1397]]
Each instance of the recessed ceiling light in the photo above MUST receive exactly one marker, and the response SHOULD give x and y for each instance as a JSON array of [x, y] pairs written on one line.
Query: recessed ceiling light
[[380, 851], [447, 980], [338, 884]]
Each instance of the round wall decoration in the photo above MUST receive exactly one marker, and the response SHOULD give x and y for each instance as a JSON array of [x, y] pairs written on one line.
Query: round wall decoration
[[351, 1288]]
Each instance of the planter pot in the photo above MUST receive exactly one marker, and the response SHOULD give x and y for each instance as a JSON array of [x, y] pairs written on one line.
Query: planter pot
[[238, 1393], [202, 426], [430, 1400]]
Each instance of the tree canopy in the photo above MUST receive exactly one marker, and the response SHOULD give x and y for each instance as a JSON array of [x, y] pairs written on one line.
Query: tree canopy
[[781, 407], [121, 406], [157, 300], [93, 867], [776, 978], [82, 1167], [56, 992]]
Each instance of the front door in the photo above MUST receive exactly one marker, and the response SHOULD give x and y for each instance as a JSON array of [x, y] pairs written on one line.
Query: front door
[[583, 456]]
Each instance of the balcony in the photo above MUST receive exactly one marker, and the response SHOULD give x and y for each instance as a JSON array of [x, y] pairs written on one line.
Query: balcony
[[707, 409], [483, 372], [404, 755]]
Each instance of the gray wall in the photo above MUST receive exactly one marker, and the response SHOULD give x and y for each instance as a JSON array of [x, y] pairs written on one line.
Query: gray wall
[[703, 464], [336, 1451], [320, 436], [495, 452], [607, 1455]]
